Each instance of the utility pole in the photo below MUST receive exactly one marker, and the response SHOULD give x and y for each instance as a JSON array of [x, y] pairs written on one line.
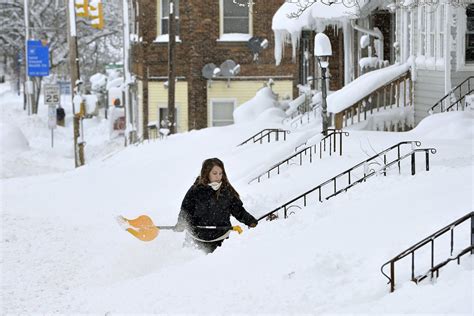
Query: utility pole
[[130, 132], [171, 67], [28, 88], [75, 83]]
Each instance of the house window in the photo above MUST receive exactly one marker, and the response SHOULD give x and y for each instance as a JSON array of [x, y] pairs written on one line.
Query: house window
[[431, 32], [469, 57], [222, 112], [441, 26], [235, 18], [163, 117], [422, 25], [165, 11]]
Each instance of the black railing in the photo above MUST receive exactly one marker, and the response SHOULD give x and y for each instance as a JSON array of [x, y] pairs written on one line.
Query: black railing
[[457, 94], [431, 240], [368, 172], [459, 103], [305, 118], [266, 133], [330, 140]]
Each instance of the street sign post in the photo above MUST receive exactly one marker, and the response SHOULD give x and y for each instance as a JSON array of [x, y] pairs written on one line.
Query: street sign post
[[38, 59], [51, 99]]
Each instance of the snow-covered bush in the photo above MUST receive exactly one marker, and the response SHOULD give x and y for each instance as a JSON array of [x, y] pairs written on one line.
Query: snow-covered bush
[[264, 104]]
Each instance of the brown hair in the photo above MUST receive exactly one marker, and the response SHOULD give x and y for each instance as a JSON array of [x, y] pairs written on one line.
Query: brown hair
[[206, 168]]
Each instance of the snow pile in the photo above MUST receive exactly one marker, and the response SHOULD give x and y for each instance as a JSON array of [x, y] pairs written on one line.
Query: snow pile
[[12, 138], [369, 62], [91, 103], [261, 107], [449, 125], [294, 104], [65, 254], [98, 82], [363, 86]]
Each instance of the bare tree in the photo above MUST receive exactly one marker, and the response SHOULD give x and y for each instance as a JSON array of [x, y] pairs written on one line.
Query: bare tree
[[48, 22]]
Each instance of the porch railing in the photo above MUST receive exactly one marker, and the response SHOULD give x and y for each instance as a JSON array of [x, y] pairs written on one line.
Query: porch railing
[[398, 92]]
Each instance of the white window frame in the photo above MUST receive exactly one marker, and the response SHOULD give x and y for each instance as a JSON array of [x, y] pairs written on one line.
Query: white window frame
[[411, 29], [165, 106], [461, 41], [211, 108], [225, 37], [164, 38], [431, 15], [422, 31], [441, 25]]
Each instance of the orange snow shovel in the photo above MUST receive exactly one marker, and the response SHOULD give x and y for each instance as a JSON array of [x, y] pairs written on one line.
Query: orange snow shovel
[[144, 229]]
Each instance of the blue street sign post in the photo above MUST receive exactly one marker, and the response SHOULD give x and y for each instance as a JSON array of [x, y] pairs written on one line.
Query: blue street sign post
[[38, 59]]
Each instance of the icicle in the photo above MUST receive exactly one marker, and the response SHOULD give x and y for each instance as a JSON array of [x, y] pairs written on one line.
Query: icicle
[[279, 45], [295, 39]]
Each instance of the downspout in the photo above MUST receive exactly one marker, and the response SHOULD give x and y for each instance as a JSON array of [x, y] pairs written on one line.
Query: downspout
[[375, 33]]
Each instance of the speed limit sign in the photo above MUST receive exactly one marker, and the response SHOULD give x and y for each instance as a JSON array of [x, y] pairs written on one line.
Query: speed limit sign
[[51, 94]]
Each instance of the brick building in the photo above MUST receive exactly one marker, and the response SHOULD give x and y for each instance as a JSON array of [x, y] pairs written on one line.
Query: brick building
[[209, 31]]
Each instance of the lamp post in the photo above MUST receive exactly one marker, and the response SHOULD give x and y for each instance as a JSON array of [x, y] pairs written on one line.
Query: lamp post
[[322, 51]]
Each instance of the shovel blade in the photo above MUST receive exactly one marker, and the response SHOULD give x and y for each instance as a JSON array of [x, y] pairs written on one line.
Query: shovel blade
[[141, 227]]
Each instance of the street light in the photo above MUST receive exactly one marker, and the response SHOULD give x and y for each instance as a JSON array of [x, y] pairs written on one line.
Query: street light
[[322, 51]]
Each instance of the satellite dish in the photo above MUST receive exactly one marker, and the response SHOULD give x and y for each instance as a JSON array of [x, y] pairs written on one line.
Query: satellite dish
[[208, 71], [235, 71], [228, 67]]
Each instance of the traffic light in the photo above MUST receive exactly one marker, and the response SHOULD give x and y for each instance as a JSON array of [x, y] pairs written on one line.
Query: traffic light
[[82, 8], [96, 14]]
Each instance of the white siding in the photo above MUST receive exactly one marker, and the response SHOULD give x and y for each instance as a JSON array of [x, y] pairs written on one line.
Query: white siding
[[429, 89]]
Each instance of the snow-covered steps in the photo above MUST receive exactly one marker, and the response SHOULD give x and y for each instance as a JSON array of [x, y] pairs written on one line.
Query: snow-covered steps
[[327, 143], [266, 134], [380, 163]]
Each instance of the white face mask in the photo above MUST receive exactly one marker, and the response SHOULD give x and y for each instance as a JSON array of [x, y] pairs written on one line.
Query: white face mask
[[215, 185]]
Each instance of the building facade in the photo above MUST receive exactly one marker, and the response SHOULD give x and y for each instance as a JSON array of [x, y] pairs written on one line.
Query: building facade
[[208, 32], [439, 39]]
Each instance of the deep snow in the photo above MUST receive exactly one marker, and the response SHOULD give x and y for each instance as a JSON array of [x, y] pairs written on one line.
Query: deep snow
[[63, 252]]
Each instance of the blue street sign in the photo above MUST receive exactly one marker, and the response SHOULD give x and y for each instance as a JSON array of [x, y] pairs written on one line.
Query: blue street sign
[[38, 59]]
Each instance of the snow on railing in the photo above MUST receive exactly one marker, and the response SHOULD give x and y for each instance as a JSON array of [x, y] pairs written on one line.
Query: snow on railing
[[387, 87]]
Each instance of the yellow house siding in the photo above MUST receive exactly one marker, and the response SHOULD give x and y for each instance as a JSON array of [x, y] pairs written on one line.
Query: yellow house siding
[[158, 98], [243, 91]]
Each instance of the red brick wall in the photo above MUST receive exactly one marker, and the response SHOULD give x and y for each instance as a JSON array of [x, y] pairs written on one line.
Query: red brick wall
[[199, 30]]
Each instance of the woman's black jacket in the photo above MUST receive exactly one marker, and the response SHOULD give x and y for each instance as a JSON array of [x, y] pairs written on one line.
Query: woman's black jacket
[[202, 206]]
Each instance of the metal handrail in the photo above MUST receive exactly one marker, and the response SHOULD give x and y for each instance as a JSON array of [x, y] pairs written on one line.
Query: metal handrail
[[453, 90], [367, 174], [322, 146], [430, 239], [268, 131], [459, 101]]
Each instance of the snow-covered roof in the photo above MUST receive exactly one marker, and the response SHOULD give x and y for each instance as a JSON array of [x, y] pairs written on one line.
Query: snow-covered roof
[[317, 17]]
